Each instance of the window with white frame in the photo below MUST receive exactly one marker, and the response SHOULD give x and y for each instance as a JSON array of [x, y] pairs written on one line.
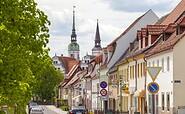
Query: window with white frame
[[162, 101], [157, 62], [153, 63], [168, 101], [168, 63], [149, 64], [162, 64]]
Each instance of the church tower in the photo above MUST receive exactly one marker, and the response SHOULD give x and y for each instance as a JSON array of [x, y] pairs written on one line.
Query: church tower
[[97, 47], [73, 47]]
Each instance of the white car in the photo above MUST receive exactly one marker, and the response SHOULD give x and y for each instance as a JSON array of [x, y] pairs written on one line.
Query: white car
[[37, 110]]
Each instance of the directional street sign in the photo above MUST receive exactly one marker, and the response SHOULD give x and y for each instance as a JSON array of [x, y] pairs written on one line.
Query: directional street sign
[[153, 87], [103, 92], [103, 84], [153, 72]]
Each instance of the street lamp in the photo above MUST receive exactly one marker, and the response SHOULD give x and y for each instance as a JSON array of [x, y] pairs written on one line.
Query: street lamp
[[121, 81]]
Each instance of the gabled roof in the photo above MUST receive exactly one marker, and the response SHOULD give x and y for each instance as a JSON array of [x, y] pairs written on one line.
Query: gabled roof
[[71, 74], [155, 29], [166, 45], [67, 62], [127, 29], [177, 11], [169, 43], [98, 59]]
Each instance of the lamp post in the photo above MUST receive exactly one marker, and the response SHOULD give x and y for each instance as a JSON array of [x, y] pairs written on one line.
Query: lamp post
[[121, 81], [97, 95]]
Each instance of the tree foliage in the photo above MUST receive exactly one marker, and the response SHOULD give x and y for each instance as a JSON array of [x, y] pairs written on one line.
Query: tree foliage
[[47, 84], [23, 39]]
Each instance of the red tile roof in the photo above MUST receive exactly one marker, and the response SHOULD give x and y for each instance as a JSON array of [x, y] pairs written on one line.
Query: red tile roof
[[181, 21], [67, 62], [177, 11], [155, 29], [170, 28], [166, 45]]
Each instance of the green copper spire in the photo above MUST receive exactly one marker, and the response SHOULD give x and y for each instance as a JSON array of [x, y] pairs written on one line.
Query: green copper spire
[[73, 47], [73, 35]]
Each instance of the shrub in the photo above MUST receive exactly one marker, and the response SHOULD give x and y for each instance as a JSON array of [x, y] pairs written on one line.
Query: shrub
[[2, 112], [65, 108]]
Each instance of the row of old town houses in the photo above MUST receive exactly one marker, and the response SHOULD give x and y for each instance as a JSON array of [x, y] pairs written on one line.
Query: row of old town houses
[[115, 77]]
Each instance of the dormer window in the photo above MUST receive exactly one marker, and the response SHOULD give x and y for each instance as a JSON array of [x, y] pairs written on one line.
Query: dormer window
[[177, 31], [143, 42], [55, 62], [149, 40]]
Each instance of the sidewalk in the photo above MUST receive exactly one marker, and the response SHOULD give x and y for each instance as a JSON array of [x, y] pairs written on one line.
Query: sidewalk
[[57, 110]]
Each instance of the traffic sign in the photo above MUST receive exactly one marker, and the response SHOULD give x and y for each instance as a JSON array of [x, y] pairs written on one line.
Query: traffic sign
[[103, 92], [153, 72], [103, 84], [153, 87]]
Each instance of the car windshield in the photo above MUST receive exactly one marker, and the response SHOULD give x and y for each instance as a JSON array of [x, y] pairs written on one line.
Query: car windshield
[[78, 108], [33, 104]]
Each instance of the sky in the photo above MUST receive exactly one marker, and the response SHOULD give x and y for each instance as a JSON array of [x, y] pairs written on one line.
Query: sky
[[114, 16]]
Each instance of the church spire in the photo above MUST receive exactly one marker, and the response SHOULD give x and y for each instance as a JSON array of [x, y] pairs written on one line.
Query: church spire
[[73, 47], [73, 35], [97, 47], [97, 37]]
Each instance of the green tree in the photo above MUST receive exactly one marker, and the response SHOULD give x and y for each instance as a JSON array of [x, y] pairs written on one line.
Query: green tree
[[23, 39], [47, 85]]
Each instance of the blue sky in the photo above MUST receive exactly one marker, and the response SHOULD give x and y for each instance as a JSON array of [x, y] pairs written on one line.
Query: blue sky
[[114, 17]]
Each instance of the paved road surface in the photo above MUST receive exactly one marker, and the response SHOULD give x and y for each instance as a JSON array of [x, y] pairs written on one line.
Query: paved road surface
[[50, 109]]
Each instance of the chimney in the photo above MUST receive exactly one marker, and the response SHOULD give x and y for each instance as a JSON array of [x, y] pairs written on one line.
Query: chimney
[[131, 46]]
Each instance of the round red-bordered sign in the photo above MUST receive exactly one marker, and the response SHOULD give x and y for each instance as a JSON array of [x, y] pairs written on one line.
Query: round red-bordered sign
[[103, 92]]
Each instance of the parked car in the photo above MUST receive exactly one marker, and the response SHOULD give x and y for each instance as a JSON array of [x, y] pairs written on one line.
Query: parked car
[[37, 110], [31, 105], [77, 110]]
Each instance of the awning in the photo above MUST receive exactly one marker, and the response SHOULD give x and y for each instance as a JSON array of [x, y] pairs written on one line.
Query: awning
[[139, 93], [125, 95], [77, 97]]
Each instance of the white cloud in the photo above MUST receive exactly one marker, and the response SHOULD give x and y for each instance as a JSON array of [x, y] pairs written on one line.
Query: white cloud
[[114, 17]]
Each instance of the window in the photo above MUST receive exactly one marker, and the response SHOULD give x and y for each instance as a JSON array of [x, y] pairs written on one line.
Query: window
[[144, 69], [162, 63], [55, 62], [131, 71], [162, 99], [168, 63], [150, 103], [141, 69], [58, 68], [149, 64], [138, 67], [168, 101], [72, 55], [158, 62], [153, 63]]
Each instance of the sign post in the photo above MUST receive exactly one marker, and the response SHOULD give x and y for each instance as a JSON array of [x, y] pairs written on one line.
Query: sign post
[[153, 87], [103, 90]]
